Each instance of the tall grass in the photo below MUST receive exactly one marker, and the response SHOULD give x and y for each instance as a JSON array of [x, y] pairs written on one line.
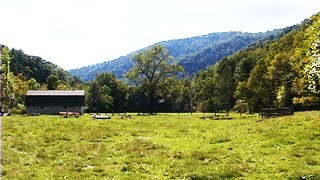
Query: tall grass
[[162, 147]]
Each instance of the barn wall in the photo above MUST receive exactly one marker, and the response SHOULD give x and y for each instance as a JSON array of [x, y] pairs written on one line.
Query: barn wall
[[53, 109], [54, 100]]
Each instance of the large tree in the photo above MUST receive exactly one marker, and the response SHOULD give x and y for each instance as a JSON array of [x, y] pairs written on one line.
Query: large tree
[[99, 99], [117, 90], [151, 69]]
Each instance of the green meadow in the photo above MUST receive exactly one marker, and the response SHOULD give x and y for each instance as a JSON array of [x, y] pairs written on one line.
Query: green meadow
[[162, 147]]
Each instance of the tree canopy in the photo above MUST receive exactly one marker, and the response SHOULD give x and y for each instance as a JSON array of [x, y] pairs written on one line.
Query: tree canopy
[[282, 70], [151, 69], [193, 54]]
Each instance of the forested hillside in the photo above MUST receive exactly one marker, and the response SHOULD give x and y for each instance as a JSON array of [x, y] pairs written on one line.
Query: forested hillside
[[194, 54], [270, 74], [36, 67], [22, 72], [212, 54], [281, 71]]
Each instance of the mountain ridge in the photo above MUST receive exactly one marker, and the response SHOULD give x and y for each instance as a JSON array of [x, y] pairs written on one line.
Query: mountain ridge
[[183, 50], [278, 73]]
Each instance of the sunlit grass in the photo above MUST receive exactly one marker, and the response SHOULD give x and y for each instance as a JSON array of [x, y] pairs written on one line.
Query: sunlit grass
[[162, 146]]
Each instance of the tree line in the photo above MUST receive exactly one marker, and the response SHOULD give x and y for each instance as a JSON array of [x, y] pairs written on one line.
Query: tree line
[[282, 72], [22, 72], [272, 73]]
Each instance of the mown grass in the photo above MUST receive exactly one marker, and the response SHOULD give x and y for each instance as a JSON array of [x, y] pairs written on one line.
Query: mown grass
[[162, 147]]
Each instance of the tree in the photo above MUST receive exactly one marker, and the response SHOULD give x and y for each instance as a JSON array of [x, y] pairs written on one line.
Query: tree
[[176, 95], [245, 94], [207, 91], [117, 90], [313, 69], [226, 84], [99, 98], [151, 68], [186, 94], [52, 82], [62, 85], [136, 100], [107, 94], [7, 79], [280, 72], [33, 84], [261, 84]]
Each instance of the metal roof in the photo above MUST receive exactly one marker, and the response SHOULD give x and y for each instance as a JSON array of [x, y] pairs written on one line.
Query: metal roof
[[55, 93]]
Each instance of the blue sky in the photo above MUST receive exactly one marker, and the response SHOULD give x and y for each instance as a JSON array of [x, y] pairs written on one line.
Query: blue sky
[[76, 33]]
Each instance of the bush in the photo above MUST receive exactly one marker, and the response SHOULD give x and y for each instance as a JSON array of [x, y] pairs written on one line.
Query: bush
[[20, 109], [241, 106]]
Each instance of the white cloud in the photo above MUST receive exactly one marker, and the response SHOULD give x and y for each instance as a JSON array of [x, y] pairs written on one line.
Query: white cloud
[[74, 33]]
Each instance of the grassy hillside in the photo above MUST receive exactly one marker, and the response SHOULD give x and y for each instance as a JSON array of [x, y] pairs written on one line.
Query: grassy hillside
[[173, 146]]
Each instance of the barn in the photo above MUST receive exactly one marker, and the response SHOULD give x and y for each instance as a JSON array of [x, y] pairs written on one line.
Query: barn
[[54, 101]]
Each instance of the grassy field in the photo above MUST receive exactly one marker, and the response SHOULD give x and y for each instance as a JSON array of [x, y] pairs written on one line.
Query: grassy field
[[162, 147]]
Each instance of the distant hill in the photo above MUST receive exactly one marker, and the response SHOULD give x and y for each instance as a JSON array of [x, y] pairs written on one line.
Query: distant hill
[[212, 54], [194, 54]]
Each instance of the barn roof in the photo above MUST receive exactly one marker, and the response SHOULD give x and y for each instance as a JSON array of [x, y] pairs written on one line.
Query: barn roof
[[55, 93]]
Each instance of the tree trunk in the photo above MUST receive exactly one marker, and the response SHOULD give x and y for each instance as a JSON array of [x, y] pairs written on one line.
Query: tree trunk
[[227, 109], [151, 103]]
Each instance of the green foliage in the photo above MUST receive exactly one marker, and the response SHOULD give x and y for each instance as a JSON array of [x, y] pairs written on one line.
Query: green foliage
[[212, 54], [151, 69], [176, 95], [33, 84], [14, 87], [161, 147], [52, 82], [193, 54], [99, 98], [313, 70], [241, 107], [137, 100], [23, 72], [37, 68], [19, 109], [215, 87], [107, 94], [62, 85], [281, 72], [206, 91], [277, 68]]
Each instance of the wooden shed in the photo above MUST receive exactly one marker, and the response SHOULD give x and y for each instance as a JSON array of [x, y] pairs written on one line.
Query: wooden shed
[[54, 101]]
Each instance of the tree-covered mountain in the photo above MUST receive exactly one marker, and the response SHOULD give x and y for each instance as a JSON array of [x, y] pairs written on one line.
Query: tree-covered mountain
[[276, 69], [212, 54], [282, 72], [194, 54]]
